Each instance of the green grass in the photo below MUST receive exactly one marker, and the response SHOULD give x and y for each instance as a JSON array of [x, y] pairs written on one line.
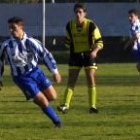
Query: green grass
[[118, 87]]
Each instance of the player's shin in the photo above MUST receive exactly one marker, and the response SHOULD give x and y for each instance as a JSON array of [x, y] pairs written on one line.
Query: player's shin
[[48, 110], [92, 96], [67, 96], [43, 103]]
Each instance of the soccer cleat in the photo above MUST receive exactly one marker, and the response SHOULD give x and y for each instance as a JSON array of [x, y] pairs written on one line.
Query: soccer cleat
[[58, 125], [62, 108], [93, 110]]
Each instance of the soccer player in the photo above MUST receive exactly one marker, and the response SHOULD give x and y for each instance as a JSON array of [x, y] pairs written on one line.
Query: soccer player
[[84, 40], [134, 35], [23, 52]]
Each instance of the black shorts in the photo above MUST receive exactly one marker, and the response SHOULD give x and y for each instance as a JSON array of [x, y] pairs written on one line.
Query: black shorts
[[78, 60]]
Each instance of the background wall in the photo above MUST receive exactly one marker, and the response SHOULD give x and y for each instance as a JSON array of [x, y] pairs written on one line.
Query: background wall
[[110, 17]]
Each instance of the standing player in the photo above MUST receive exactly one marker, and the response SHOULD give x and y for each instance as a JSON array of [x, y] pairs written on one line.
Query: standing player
[[134, 34], [84, 40], [23, 52]]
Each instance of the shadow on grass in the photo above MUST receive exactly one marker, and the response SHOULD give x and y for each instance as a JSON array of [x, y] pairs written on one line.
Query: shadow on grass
[[79, 117], [106, 110], [130, 80], [109, 116], [109, 80], [13, 101], [25, 124]]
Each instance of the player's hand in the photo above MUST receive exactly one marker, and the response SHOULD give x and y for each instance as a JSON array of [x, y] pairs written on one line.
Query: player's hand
[[1, 85], [95, 51], [137, 36], [93, 54], [57, 77]]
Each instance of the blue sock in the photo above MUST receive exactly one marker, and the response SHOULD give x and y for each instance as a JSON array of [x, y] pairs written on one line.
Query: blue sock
[[48, 110]]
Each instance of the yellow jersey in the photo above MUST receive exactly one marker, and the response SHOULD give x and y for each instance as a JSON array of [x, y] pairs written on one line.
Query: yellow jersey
[[82, 38]]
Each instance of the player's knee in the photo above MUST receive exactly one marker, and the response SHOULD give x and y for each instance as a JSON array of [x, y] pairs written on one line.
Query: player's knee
[[71, 82], [54, 97], [41, 100]]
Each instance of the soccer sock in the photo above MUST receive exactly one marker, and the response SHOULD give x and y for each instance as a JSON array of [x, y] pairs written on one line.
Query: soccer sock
[[92, 96], [48, 110], [67, 96]]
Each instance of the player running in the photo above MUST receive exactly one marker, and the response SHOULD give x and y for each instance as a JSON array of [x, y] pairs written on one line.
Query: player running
[[84, 40], [134, 35], [23, 52]]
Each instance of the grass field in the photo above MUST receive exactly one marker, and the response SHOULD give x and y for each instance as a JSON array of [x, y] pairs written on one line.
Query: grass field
[[118, 87]]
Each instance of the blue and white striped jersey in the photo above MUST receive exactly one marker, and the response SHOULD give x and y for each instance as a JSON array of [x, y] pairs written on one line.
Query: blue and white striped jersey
[[135, 29], [23, 55]]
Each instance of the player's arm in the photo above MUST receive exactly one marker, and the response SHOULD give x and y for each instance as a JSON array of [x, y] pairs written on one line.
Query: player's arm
[[96, 39], [136, 36], [48, 61], [135, 30], [68, 36]]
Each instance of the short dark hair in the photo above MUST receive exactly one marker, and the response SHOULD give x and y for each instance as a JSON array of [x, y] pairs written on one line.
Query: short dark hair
[[16, 20], [133, 11], [81, 6]]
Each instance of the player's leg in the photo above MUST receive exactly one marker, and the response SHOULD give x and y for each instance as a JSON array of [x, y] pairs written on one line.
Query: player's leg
[[28, 84], [72, 78], [75, 64], [90, 70], [45, 86], [50, 93], [90, 74], [41, 100]]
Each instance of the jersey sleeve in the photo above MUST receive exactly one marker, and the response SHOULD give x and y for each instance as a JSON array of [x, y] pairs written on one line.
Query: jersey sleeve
[[96, 35], [46, 56], [49, 61], [135, 29]]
